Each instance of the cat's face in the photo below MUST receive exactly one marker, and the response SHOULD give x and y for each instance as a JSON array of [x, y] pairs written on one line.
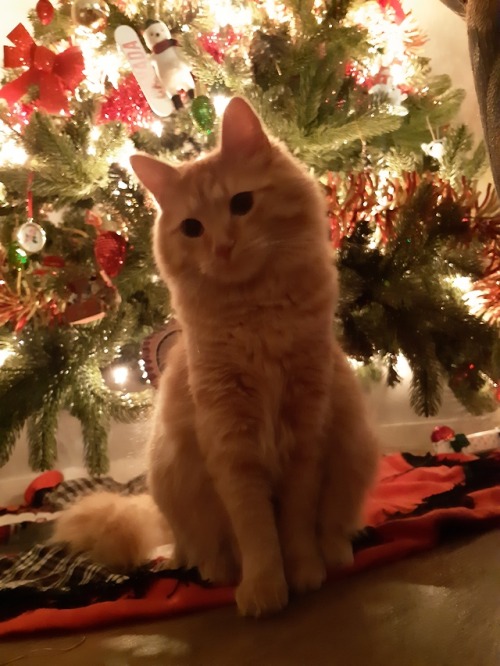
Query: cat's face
[[226, 216]]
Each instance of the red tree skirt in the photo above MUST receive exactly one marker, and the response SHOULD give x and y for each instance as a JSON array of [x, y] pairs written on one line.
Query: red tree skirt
[[418, 503]]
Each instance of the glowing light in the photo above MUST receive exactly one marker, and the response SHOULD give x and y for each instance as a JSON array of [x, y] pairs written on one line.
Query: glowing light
[[157, 127], [120, 374], [389, 45], [276, 11], [462, 282], [476, 301], [226, 14], [403, 367], [220, 102], [12, 153], [122, 155], [4, 355], [99, 68]]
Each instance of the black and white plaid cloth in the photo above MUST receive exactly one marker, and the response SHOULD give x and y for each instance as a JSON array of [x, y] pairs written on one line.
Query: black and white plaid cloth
[[46, 576], [68, 491]]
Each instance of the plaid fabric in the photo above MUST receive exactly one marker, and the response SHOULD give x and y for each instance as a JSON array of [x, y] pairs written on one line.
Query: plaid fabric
[[48, 577], [419, 501], [68, 491]]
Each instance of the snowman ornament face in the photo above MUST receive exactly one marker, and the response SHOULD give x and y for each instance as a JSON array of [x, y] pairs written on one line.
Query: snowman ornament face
[[166, 56]]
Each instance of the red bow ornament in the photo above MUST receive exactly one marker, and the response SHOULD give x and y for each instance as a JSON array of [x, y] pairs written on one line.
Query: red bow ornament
[[395, 5], [53, 73]]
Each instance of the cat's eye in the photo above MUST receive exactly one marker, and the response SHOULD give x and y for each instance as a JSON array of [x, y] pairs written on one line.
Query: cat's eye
[[191, 227], [241, 203]]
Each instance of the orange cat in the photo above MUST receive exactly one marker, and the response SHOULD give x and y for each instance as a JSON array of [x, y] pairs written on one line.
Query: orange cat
[[261, 454]]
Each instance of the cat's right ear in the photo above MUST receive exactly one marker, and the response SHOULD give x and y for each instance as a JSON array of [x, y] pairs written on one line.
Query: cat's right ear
[[156, 176]]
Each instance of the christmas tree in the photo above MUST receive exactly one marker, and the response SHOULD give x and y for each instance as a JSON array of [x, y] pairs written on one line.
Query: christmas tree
[[341, 82]]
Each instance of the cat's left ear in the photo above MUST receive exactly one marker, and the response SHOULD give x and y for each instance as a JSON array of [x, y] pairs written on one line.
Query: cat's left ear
[[242, 133], [156, 176]]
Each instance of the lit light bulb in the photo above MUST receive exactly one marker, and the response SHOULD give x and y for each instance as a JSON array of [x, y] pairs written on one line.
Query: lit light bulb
[[402, 366], [120, 374], [462, 282], [4, 355], [220, 102], [12, 153], [157, 127], [123, 154]]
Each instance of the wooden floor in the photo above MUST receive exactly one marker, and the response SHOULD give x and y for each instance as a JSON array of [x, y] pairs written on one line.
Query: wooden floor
[[441, 608]]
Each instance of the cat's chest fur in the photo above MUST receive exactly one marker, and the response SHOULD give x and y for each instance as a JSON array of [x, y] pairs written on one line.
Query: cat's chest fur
[[267, 322]]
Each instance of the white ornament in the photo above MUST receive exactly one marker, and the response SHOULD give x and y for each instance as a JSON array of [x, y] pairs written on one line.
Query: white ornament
[[434, 149], [140, 63], [168, 62], [31, 237]]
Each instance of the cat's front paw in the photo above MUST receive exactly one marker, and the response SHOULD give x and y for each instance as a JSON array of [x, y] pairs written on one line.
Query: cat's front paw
[[305, 573], [262, 595], [337, 551]]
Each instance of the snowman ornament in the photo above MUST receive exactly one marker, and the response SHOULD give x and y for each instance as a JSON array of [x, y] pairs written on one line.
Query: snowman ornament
[[167, 61]]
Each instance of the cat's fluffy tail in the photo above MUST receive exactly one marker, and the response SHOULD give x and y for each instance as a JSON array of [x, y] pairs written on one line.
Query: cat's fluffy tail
[[115, 530]]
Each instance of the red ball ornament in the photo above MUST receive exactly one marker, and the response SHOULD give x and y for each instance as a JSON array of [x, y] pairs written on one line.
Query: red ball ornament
[[497, 392], [45, 11], [110, 249], [442, 434]]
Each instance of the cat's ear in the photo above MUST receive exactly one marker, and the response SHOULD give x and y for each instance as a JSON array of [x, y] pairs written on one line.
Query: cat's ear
[[156, 176], [242, 132]]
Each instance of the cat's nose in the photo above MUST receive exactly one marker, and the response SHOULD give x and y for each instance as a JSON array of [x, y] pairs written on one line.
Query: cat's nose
[[223, 250]]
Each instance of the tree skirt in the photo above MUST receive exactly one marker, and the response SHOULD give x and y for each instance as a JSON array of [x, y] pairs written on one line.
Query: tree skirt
[[418, 503]]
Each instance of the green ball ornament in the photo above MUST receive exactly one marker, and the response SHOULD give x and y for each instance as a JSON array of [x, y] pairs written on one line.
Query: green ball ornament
[[17, 257], [203, 113]]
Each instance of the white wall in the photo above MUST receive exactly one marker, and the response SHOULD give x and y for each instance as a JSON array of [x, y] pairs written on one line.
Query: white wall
[[448, 49]]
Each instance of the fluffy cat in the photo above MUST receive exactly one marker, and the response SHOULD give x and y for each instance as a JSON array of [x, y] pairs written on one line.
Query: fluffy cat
[[261, 454]]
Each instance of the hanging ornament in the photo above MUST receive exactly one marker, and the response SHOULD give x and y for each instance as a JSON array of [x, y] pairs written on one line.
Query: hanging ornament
[[203, 113], [154, 350], [434, 149], [110, 249], [45, 11], [91, 14], [52, 74], [17, 257], [31, 237], [168, 63], [442, 434], [395, 6], [140, 63]]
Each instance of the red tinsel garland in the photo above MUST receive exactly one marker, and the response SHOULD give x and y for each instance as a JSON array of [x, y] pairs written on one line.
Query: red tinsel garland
[[127, 105], [367, 197]]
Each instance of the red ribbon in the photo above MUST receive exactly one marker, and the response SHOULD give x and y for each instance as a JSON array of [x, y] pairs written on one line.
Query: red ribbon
[[396, 7], [53, 73]]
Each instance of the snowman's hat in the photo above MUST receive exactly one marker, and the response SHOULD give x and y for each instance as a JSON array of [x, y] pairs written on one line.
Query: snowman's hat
[[150, 22]]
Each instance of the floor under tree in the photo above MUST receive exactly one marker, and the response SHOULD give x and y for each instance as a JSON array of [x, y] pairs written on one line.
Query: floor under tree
[[440, 608]]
